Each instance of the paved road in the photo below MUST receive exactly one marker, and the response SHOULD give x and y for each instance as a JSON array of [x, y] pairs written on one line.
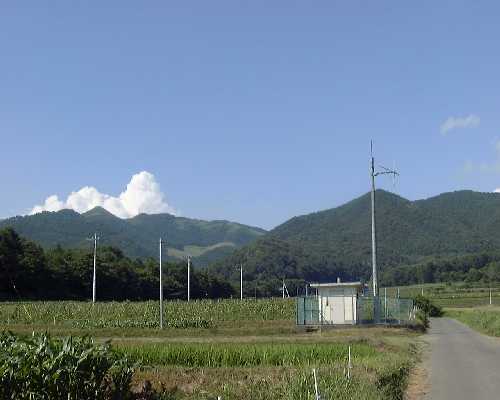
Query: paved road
[[463, 364]]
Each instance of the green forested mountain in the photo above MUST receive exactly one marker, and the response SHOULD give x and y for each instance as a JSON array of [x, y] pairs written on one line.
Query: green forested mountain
[[206, 241], [337, 242]]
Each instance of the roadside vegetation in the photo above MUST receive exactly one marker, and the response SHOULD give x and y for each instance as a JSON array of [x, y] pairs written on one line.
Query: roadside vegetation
[[455, 295], [482, 319]]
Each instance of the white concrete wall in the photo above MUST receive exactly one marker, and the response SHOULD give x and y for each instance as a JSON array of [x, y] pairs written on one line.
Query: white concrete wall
[[338, 305]]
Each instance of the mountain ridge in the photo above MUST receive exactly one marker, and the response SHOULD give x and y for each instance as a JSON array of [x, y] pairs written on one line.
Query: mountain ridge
[[136, 236], [336, 242]]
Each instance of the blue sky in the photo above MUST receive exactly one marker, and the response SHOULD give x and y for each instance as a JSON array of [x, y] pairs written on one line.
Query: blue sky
[[248, 111]]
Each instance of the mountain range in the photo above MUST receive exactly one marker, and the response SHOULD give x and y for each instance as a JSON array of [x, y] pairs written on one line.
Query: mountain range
[[315, 247], [205, 241]]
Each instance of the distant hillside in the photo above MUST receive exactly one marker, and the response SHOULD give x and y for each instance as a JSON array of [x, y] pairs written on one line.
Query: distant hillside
[[206, 241], [337, 242]]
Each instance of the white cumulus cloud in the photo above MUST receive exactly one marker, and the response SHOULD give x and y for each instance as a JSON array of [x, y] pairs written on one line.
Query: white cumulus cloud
[[471, 121], [142, 195]]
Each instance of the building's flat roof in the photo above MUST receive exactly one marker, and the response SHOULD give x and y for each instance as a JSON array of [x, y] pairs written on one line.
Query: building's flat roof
[[335, 284]]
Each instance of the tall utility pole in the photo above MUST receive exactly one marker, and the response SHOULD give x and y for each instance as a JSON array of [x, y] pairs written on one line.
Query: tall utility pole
[[374, 235], [189, 277], [241, 281], [161, 288], [95, 238]]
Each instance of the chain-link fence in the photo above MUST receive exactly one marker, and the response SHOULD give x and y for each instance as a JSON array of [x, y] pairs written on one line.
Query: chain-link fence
[[308, 311], [369, 311], [385, 310]]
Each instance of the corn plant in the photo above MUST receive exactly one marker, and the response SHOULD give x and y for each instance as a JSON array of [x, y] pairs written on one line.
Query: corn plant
[[40, 367], [177, 314]]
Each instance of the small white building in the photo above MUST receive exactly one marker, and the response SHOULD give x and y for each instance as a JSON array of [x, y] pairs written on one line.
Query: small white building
[[337, 302]]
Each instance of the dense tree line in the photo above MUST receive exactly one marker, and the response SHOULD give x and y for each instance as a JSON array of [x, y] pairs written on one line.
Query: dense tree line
[[483, 267], [27, 271]]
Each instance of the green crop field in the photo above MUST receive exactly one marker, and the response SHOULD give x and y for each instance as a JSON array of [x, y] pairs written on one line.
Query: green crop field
[[197, 315], [235, 349]]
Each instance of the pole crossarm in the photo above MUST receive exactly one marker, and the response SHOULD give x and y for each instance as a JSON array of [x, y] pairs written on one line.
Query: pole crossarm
[[386, 171]]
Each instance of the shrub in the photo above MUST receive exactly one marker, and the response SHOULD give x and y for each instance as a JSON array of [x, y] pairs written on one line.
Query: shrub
[[428, 307], [422, 320], [40, 367]]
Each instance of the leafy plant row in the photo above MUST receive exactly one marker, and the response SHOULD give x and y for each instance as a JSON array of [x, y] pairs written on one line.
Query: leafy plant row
[[177, 314]]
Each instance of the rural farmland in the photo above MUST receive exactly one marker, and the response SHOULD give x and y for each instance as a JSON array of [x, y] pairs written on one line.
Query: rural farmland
[[234, 349]]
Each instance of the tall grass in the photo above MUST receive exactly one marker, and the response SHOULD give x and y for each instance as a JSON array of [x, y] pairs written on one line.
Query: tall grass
[[486, 321], [243, 355]]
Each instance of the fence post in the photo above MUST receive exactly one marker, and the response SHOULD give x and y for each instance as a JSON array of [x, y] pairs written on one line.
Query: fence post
[[305, 311], [385, 304], [399, 311], [349, 365], [316, 385]]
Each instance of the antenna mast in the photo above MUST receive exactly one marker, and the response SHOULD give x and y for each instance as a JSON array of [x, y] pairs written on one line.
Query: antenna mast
[[373, 174]]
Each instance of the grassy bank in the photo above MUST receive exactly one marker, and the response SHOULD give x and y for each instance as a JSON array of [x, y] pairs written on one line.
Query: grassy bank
[[483, 319], [455, 295]]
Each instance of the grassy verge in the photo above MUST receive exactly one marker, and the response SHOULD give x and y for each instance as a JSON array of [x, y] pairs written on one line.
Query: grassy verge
[[454, 295], [484, 319]]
